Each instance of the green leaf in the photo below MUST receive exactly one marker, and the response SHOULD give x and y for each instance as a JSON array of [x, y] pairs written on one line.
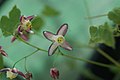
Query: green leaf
[[1, 62], [37, 23], [107, 35], [14, 16], [9, 24], [114, 15], [4, 24], [102, 34], [49, 11], [1, 65], [93, 31], [95, 38]]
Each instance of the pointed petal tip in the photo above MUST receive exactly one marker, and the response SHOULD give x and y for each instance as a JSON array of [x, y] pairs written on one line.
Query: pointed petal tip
[[30, 17], [68, 48], [13, 39], [48, 35], [32, 32], [44, 32], [49, 54], [21, 17], [65, 24], [63, 29]]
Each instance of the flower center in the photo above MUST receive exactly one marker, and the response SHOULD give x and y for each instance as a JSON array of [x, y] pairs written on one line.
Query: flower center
[[27, 24], [60, 39]]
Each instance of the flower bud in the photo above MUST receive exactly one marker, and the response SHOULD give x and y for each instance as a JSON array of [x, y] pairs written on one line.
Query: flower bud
[[54, 73], [28, 75], [3, 52]]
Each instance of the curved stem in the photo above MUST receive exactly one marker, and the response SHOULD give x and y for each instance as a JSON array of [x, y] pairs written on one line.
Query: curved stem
[[85, 60], [92, 62], [104, 54], [25, 66], [88, 11], [108, 57], [93, 17], [25, 57], [32, 45]]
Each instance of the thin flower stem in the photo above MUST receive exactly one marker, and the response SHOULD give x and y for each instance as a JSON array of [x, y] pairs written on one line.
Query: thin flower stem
[[32, 45], [89, 61], [24, 57], [85, 60], [88, 11], [25, 64], [94, 17], [104, 54], [108, 57]]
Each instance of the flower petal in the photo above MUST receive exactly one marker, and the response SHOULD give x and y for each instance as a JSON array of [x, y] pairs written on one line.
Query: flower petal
[[5, 70], [13, 39], [66, 46], [62, 30], [3, 53], [24, 37], [52, 48], [29, 17], [22, 19], [11, 75], [0, 47], [19, 29], [21, 74], [48, 35]]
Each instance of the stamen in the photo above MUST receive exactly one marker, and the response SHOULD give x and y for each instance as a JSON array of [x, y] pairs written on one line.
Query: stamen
[[60, 39]]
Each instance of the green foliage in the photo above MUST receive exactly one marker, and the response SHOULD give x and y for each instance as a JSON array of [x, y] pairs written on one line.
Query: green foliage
[[115, 69], [9, 24], [114, 15], [37, 23], [1, 62], [1, 65], [102, 34], [49, 11]]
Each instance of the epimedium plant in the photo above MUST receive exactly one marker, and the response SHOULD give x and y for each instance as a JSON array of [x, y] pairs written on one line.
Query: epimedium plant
[[21, 27]]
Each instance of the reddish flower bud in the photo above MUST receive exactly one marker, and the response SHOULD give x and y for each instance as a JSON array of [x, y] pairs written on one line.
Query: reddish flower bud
[[3, 52], [28, 75], [54, 73], [13, 39]]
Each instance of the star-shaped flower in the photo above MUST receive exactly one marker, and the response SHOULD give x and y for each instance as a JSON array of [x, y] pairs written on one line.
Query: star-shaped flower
[[58, 39], [12, 73], [25, 23], [24, 28]]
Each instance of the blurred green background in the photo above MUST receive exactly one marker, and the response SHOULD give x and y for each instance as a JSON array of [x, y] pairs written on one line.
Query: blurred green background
[[72, 12]]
